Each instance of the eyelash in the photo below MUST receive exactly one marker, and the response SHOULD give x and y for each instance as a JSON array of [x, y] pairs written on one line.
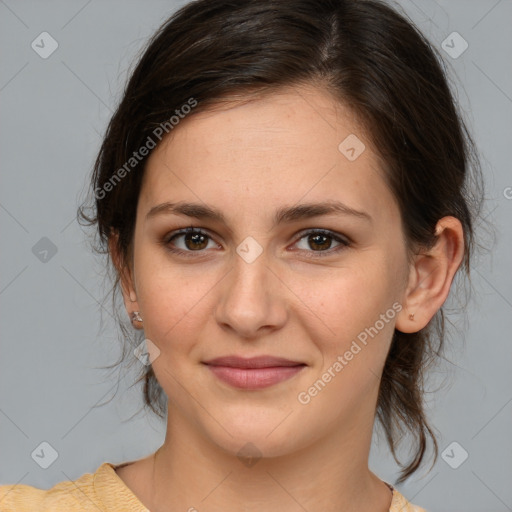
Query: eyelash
[[345, 242]]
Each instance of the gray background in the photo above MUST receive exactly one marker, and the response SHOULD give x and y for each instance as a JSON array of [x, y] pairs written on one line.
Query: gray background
[[54, 111]]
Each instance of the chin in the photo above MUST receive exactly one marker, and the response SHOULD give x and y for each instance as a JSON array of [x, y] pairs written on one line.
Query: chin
[[251, 446], [257, 437]]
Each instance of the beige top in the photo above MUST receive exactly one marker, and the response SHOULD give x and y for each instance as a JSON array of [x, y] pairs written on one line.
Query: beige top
[[104, 491]]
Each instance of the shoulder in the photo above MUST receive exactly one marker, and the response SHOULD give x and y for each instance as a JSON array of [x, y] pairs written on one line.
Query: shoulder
[[72, 495], [401, 504]]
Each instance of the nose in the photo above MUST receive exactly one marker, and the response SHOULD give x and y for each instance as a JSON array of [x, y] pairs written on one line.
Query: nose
[[252, 299]]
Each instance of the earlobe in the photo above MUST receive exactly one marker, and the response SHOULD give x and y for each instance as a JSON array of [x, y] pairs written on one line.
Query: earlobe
[[431, 277], [126, 282]]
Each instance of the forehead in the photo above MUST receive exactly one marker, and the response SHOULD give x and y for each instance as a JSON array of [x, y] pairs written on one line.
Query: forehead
[[298, 144]]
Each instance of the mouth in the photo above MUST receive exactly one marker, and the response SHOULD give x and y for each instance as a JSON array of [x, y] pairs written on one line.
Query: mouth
[[253, 373], [253, 362]]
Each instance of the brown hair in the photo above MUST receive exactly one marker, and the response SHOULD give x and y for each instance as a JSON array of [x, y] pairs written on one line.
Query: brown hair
[[369, 57]]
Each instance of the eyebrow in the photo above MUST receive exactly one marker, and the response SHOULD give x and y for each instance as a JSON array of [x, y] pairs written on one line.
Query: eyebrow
[[281, 215]]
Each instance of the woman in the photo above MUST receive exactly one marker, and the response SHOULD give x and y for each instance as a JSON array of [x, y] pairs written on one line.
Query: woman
[[282, 192]]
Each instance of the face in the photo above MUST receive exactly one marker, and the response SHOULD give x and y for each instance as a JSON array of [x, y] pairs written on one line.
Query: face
[[268, 276]]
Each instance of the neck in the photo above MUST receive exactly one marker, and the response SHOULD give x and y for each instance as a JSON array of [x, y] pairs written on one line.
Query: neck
[[191, 473]]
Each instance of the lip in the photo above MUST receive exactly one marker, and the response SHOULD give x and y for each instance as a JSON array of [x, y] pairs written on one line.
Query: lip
[[252, 362], [255, 372]]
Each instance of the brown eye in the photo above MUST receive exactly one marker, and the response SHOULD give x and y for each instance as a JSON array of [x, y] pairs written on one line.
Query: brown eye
[[189, 240], [321, 241], [194, 241]]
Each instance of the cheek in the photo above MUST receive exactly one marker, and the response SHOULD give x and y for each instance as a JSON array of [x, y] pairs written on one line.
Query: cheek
[[172, 299], [350, 298], [355, 314], [174, 308]]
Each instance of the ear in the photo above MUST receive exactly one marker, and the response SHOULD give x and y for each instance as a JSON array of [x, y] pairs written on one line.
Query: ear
[[431, 276], [125, 272]]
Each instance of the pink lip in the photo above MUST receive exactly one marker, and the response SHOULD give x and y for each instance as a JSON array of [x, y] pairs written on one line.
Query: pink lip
[[253, 373], [252, 362]]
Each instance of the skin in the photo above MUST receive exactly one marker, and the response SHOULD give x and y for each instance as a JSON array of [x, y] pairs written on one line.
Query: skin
[[294, 301]]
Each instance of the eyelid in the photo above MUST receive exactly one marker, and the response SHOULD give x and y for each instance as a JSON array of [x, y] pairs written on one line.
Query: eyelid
[[339, 237], [344, 241], [184, 231]]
